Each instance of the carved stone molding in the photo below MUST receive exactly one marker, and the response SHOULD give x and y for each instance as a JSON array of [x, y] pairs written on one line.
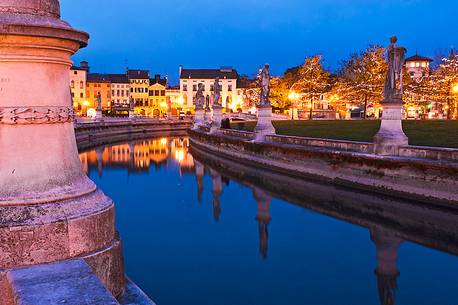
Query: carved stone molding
[[36, 115]]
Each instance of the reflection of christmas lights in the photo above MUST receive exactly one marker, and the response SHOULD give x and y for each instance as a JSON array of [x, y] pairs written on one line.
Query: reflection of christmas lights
[[164, 141]]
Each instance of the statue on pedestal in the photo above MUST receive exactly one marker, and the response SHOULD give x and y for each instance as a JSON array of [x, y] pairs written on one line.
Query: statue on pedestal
[[99, 102], [393, 84], [200, 98], [265, 86], [207, 103], [131, 104], [216, 93]]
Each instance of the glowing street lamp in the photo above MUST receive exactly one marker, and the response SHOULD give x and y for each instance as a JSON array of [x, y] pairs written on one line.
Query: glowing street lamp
[[455, 88], [294, 97]]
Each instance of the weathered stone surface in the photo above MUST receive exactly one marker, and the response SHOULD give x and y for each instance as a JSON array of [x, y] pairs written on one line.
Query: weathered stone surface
[[50, 232], [70, 282], [108, 265], [6, 294], [134, 295]]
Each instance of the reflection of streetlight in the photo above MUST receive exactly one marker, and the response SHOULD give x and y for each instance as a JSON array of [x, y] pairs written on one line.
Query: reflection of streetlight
[[293, 96]]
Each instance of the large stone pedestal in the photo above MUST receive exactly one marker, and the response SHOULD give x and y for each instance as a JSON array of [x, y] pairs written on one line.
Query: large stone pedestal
[[198, 118], [208, 117], [390, 136], [264, 125], [216, 119], [99, 115], [49, 210]]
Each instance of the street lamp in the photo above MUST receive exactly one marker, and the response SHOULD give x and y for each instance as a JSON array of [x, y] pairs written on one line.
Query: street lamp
[[455, 92], [293, 96], [85, 104]]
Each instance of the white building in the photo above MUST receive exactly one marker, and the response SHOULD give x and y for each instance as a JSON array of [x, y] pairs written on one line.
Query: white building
[[418, 66], [190, 78], [120, 92]]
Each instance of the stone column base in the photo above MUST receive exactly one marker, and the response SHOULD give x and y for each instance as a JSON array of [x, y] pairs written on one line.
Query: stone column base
[[131, 114], [390, 136], [198, 118], [58, 231], [208, 117], [216, 119], [264, 126]]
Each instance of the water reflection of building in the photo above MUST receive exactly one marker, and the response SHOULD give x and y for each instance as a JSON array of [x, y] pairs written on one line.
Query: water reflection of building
[[140, 155]]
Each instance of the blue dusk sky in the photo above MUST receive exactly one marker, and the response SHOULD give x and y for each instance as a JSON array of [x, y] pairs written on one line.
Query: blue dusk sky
[[161, 35]]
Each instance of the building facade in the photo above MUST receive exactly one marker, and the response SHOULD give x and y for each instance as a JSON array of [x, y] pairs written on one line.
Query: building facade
[[418, 66], [157, 97], [98, 84], [139, 81], [78, 77], [120, 94], [174, 99], [190, 78]]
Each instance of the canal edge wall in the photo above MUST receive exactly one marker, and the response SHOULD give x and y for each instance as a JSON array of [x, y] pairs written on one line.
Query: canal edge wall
[[93, 134], [427, 174]]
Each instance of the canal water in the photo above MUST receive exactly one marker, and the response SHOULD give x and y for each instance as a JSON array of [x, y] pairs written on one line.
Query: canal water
[[201, 231]]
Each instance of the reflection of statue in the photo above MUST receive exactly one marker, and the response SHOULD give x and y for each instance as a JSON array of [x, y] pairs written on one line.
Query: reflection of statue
[[99, 102], [393, 83], [216, 93], [200, 98], [207, 103], [387, 245], [263, 200], [217, 190], [387, 285], [131, 104], [265, 86]]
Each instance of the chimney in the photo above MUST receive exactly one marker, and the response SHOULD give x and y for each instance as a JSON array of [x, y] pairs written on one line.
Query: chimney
[[84, 65], [157, 78], [181, 69]]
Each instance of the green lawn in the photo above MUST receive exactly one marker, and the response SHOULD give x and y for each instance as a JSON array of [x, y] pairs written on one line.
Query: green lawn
[[423, 133]]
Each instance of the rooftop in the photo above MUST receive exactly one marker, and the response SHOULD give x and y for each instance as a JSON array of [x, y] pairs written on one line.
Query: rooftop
[[107, 78], [222, 73], [138, 74], [418, 58]]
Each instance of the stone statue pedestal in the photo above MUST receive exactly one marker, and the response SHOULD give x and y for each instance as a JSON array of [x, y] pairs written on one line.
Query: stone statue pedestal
[[216, 119], [208, 117], [98, 115], [264, 126], [198, 118], [390, 136], [131, 114]]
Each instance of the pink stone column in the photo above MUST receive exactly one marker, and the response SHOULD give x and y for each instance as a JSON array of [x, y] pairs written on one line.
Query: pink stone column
[[49, 210]]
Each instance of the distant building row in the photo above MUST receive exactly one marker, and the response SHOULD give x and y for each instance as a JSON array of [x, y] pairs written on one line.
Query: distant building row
[[151, 96]]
